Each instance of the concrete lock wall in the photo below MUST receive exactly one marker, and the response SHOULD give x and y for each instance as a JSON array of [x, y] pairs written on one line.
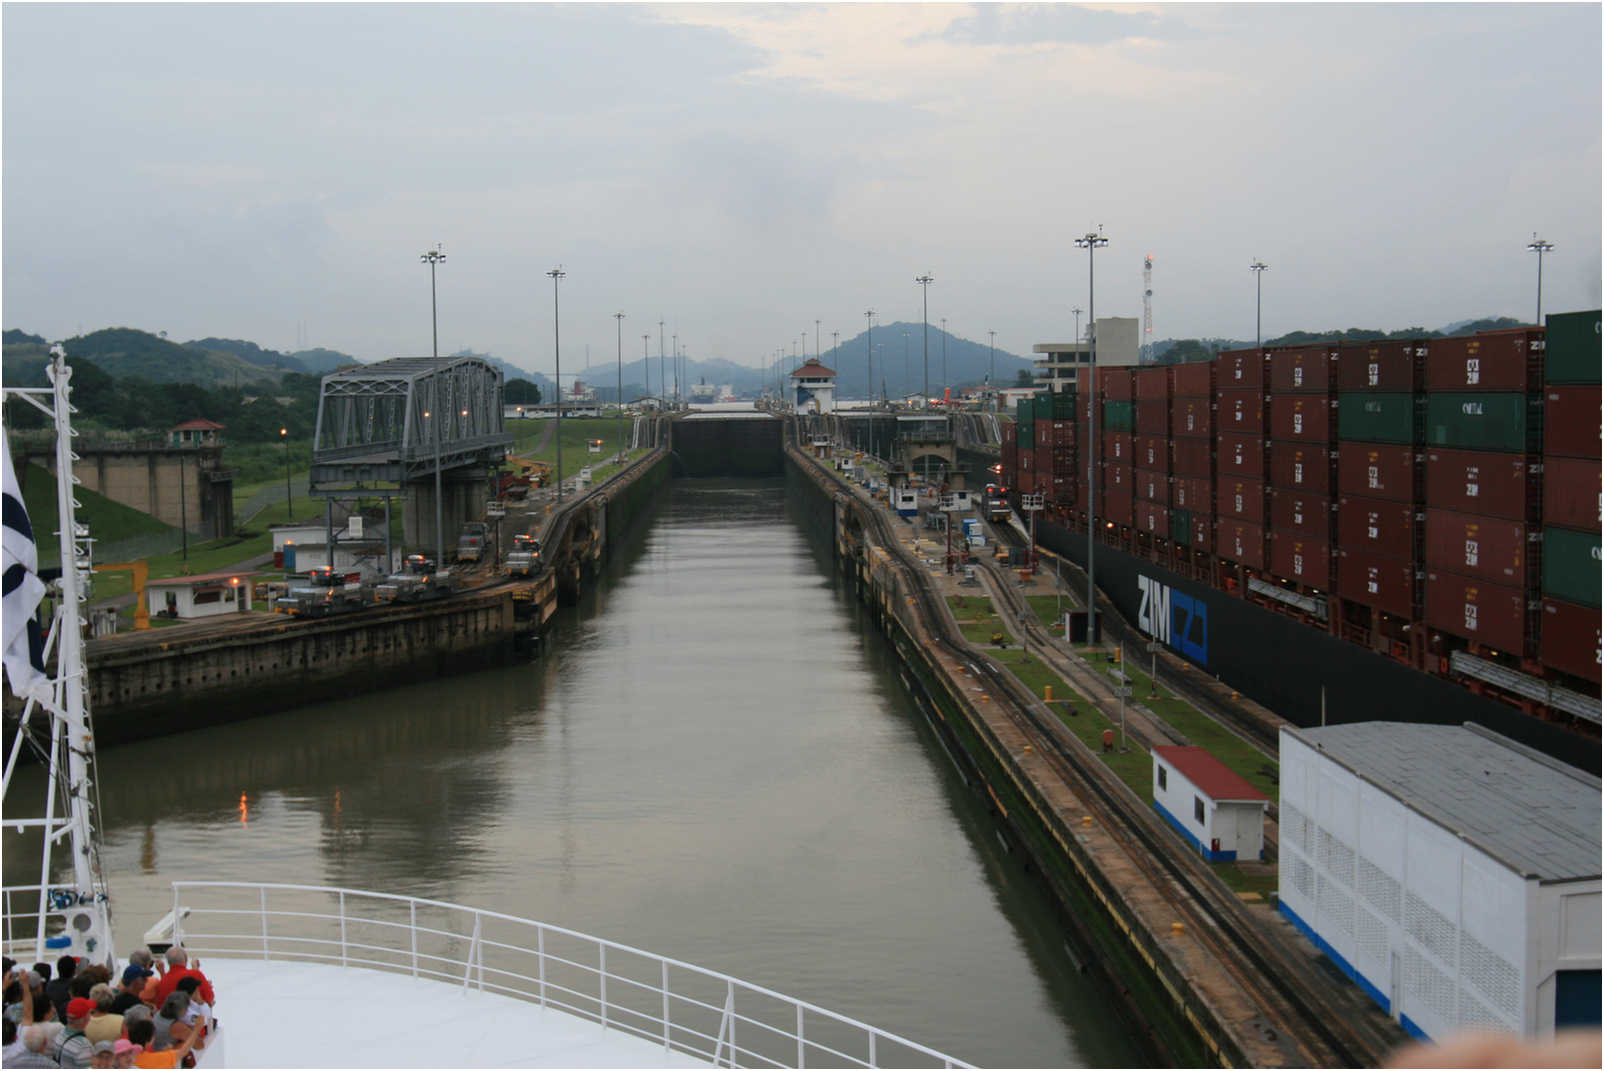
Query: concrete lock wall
[[172, 484], [463, 499]]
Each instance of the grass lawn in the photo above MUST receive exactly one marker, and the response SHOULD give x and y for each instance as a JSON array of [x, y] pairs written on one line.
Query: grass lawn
[[576, 435], [108, 521]]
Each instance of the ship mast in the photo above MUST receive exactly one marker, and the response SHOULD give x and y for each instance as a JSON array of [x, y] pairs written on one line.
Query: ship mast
[[55, 726]]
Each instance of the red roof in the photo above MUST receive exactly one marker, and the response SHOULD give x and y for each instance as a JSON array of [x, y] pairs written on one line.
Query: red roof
[[200, 578], [198, 425], [812, 367], [1211, 776]]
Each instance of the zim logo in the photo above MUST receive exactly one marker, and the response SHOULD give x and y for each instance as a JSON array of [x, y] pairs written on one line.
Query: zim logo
[[1173, 618]]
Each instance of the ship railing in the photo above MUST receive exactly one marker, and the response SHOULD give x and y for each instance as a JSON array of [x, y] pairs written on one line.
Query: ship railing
[[688, 1009]]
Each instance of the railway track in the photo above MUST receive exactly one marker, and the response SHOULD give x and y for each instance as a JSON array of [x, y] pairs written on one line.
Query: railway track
[[1292, 1012]]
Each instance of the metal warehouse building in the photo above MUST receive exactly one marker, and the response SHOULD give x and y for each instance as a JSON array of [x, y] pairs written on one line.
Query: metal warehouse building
[[1449, 871]]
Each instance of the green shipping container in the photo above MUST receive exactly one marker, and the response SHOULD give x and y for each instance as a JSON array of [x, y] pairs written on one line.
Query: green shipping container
[[1181, 527], [1025, 417], [1479, 422], [1044, 406], [1064, 405], [1571, 350], [1119, 416], [1376, 418], [1571, 565]]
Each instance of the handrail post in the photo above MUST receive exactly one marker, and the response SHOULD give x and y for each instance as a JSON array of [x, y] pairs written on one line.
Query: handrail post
[[178, 919], [263, 890], [801, 1057], [343, 961], [412, 925], [874, 1061], [473, 950], [664, 963], [602, 948], [540, 949]]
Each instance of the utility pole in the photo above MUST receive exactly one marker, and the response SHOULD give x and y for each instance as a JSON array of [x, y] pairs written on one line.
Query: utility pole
[[1076, 311], [1258, 269], [991, 376], [944, 383], [662, 374], [868, 344], [1538, 246], [557, 275], [646, 360], [1089, 242], [924, 281], [620, 318], [816, 352], [431, 258], [676, 371]]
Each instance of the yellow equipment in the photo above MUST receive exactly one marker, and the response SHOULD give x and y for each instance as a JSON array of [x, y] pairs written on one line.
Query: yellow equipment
[[141, 573]]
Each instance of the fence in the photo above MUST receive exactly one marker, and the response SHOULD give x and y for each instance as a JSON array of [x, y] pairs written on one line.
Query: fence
[[686, 1008]]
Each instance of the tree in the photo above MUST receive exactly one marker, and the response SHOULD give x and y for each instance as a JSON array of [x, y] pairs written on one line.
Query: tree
[[1024, 378], [520, 392], [1187, 349]]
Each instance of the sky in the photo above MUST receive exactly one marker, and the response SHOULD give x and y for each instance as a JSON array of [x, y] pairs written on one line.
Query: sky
[[273, 172]]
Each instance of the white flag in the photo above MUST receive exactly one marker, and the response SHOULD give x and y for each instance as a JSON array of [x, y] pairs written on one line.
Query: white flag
[[23, 643]]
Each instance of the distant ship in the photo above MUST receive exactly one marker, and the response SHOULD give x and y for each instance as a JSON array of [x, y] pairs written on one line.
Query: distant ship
[[705, 393]]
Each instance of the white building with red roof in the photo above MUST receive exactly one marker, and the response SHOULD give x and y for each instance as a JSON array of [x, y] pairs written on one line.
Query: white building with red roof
[[813, 387], [203, 595], [195, 432], [1212, 805]]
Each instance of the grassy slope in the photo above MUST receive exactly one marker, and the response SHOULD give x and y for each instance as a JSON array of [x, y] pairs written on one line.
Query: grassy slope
[[108, 521]]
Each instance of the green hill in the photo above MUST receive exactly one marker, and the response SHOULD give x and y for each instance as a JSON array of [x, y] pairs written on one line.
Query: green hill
[[108, 521]]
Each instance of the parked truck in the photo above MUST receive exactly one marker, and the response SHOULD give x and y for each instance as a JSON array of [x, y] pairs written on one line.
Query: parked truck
[[405, 587], [323, 593], [471, 543]]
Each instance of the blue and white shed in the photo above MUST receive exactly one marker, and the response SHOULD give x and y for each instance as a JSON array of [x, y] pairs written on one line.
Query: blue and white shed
[[1213, 807]]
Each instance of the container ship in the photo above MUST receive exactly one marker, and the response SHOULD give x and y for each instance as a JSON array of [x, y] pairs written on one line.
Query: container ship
[[1404, 529]]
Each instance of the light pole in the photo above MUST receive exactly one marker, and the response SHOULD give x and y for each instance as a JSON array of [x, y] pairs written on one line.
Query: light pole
[[661, 374], [431, 258], [1089, 242], [646, 360], [816, 352], [620, 318], [924, 281], [868, 344], [905, 376], [1258, 268], [1538, 246], [1076, 311], [944, 383], [284, 434], [676, 370], [557, 274], [991, 376]]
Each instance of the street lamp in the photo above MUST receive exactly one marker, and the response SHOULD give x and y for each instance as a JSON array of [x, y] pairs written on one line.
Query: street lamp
[[676, 371], [991, 376], [1538, 246], [868, 344], [431, 258], [944, 383], [284, 436], [924, 281], [557, 275], [1258, 268], [1089, 242], [1076, 311], [620, 318], [661, 364], [646, 361]]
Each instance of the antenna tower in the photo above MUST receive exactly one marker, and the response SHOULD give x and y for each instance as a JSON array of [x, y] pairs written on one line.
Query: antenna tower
[[1147, 310]]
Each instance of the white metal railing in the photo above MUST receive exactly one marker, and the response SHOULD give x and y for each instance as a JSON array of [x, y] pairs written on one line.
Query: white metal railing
[[685, 1008]]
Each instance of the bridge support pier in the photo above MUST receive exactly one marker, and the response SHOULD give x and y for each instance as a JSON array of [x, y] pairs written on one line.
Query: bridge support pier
[[463, 498]]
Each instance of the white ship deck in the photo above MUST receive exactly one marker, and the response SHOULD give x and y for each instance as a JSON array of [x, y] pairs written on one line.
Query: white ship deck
[[277, 1014]]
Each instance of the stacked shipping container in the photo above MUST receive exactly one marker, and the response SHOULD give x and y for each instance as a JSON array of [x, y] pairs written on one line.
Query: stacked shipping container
[[1568, 634], [1378, 482], [1192, 426], [1303, 396], [1241, 457], [1116, 393], [1151, 475]]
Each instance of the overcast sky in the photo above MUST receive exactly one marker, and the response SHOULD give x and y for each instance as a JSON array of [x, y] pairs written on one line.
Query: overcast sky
[[273, 172]]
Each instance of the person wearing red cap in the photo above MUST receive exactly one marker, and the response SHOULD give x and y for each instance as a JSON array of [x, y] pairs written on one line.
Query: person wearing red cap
[[178, 960], [73, 1048]]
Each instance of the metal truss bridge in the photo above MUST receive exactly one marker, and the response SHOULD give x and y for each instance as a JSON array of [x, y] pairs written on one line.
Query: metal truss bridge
[[385, 424]]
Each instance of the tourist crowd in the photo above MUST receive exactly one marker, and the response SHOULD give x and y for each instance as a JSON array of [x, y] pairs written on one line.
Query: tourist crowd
[[155, 1014]]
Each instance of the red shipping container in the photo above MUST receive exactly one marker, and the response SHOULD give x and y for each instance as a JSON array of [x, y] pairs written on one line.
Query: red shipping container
[[1192, 416], [1115, 384], [1305, 418], [1475, 481], [1240, 368], [1202, 533], [1300, 468], [1153, 452], [1498, 360], [1153, 384], [1393, 367], [1376, 470], [1117, 479], [1042, 434], [1065, 459], [1118, 446], [1241, 411], [1304, 369], [1571, 422], [1010, 433], [1116, 507], [1376, 580], [1300, 511], [1488, 548], [1193, 380], [1027, 459], [1153, 418], [1240, 455], [1151, 486], [1025, 482], [1490, 614], [1192, 457], [1376, 526], [1152, 518], [1195, 493], [1241, 499], [1064, 490], [1242, 542], [1300, 559], [1569, 640], [1066, 433], [1572, 494]]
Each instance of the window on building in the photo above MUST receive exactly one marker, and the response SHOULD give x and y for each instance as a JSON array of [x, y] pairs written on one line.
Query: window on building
[[1197, 809], [1163, 778], [208, 595]]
